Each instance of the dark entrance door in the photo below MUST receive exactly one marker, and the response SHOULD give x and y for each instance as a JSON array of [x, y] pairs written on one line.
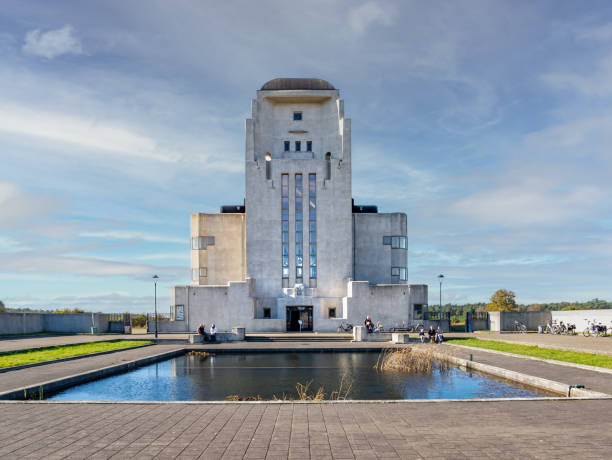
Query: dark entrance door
[[294, 314]]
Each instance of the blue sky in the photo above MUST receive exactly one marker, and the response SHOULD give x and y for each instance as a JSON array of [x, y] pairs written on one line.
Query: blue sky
[[489, 123]]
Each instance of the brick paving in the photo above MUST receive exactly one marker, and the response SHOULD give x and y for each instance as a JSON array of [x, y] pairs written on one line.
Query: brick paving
[[495, 429]]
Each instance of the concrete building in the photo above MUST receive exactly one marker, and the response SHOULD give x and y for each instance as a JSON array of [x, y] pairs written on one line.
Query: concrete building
[[298, 249]]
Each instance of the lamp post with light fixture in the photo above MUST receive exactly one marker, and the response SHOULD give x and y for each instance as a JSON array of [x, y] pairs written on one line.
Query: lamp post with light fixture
[[155, 278], [440, 277]]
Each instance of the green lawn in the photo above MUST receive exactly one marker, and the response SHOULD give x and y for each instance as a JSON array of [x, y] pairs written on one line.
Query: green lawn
[[577, 357], [19, 358]]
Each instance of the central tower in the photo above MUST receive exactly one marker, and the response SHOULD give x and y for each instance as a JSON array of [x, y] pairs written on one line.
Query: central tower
[[298, 189]]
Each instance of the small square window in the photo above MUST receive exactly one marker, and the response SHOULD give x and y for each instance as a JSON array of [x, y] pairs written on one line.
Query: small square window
[[298, 250], [313, 237], [194, 243], [313, 261], [387, 240], [395, 271], [298, 261], [297, 116], [203, 241], [211, 240], [298, 225], [312, 226], [267, 313], [332, 312], [287, 146], [298, 272], [285, 225], [298, 146], [285, 249], [194, 274], [298, 237], [285, 237], [285, 272], [309, 146], [203, 271], [313, 249]]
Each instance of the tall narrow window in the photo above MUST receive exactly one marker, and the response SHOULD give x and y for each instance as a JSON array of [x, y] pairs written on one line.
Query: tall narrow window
[[298, 146], [299, 206], [309, 146], [285, 224], [287, 146], [328, 165], [268, 166], [312, 227]]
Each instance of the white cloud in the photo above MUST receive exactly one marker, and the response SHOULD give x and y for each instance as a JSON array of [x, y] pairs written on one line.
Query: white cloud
[[601, 33], [17, 205], [127, 235], [527, 203], [369, 13], [88, 133], [595, 83], [53, 43]]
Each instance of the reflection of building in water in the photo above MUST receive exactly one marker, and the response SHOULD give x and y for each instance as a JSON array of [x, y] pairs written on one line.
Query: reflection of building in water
[[174, 366], [298, 248]]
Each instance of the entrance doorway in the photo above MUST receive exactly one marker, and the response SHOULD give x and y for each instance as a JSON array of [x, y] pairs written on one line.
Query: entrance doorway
[[294, 314]]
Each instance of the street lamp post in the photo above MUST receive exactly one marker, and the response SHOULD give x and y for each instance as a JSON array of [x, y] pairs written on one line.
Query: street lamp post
[[440, 277], [155, 278]]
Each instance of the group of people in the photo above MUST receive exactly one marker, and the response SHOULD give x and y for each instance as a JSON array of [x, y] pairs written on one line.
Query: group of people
[[434, 335], [210, 336]]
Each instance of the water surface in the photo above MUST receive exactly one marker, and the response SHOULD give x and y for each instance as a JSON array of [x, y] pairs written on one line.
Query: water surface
[[193, 378]]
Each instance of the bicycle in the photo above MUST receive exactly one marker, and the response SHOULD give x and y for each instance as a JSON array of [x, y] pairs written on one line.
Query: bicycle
[[520, 327], [343, 328], [594, 329]]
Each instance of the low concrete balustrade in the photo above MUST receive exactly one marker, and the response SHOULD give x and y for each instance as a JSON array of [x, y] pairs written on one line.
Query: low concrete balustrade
[[237, 335], [361, 334]]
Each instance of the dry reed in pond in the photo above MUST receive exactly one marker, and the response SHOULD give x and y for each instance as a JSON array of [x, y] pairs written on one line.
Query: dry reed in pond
[[305, 394], [408, 360], [243, 398]]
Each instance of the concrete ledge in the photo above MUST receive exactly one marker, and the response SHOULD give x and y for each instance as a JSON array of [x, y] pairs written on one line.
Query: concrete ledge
[[70, 358], [65, 382], [537, 382], [237, 335], [586, 367]]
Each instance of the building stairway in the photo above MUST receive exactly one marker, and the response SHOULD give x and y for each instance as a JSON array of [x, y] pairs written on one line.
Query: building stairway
[[297, 337]]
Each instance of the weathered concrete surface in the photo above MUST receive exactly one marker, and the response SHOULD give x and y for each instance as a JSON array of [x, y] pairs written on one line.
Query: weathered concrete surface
[[453, 430]]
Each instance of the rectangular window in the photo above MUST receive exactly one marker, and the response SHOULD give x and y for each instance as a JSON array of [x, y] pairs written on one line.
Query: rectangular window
[[285, 224], [211, 240], [387, 240], [267, 313], [297, 116], [394, 271], [203, 271], [332, 313], [287, 146], [312, 224], [398, 242], [298, 146], [402, 274], [194, 243], [309, 146], [298, 225], [194, 274], [203, 241], [179, 314]]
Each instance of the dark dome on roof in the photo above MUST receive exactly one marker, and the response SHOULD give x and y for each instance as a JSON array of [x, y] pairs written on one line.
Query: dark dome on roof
[[297, 83]]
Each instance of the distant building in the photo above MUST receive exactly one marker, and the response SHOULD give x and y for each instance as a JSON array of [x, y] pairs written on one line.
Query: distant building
[[298, 248]]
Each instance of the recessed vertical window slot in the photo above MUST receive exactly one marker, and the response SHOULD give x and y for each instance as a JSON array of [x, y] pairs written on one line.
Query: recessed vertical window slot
[[299, 241], [287, 146], [298, 146], [312, 224], [285, 225], [268, 166], [328, 165], [309, 146]]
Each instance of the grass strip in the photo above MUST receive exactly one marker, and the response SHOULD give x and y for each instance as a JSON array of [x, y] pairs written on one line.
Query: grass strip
[[577, 357], [21, 357]]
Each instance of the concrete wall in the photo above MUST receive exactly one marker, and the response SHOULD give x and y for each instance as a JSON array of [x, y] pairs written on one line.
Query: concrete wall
[[271, 124], [580, 317], [373, 259], [225, 260], [28, 323], [504, 320], [21, 323]]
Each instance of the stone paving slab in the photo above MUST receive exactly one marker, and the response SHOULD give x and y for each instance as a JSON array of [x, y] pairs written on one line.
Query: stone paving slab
[[502, 430]]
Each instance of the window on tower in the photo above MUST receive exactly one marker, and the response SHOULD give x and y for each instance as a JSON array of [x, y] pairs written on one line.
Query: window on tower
[[298, 146], [297, 116]]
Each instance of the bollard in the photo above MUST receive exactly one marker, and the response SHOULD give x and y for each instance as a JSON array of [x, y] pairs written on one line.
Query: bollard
[[470, 356]]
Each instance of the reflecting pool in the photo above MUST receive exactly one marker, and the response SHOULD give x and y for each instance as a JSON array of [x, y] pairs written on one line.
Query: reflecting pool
[[195, 378]]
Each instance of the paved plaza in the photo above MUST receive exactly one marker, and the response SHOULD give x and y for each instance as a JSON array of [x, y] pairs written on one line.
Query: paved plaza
[[453, 430], [554, 428]]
